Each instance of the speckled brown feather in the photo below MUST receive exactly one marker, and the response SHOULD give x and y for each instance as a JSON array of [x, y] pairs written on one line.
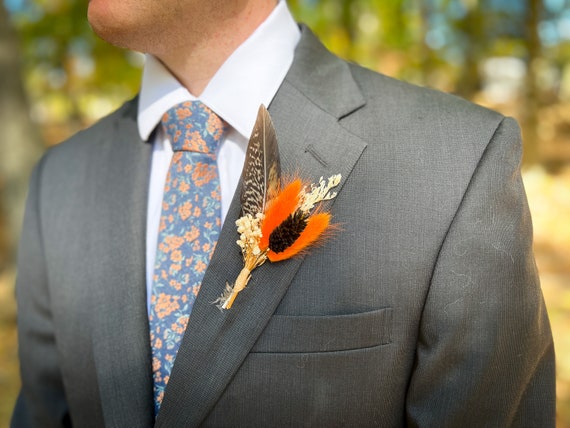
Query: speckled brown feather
[[261, 175]]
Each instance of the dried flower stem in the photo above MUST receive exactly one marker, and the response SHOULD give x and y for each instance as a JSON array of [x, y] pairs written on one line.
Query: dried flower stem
[[241, 281], [251, 262]]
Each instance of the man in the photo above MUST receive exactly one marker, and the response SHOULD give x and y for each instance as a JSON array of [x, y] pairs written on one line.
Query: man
[[424, 310]]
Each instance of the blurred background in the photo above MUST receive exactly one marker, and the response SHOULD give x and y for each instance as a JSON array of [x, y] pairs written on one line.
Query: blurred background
[[56, 78]]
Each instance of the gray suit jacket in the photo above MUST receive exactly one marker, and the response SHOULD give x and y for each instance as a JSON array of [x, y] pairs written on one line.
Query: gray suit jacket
[[425, 310]]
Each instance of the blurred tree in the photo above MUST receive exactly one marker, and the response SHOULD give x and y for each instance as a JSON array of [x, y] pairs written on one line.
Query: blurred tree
[[472, 31], [426, 58], [73, 76], [532, 98], [19, 146], [382, 35], [51, 59]]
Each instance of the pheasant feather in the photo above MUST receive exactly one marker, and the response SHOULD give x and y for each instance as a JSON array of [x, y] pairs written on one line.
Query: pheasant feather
[[261, 175]]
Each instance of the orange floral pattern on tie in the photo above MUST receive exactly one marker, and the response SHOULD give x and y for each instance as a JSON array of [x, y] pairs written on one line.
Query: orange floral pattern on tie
[[189, 227]]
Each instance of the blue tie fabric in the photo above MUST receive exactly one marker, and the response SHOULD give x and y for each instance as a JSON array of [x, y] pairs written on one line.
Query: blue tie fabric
[[189, 227]]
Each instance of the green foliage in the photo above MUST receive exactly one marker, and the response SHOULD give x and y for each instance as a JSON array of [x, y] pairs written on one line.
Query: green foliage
[[73, 77], [362, 30]]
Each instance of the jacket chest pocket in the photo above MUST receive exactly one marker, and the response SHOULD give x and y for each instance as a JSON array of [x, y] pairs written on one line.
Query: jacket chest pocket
[[306, 334]]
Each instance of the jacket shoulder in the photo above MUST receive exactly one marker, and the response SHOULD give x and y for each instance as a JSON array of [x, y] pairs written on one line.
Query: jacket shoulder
[[83, 145], [416, 119], [91, 152], [101, 129], [412, 101]]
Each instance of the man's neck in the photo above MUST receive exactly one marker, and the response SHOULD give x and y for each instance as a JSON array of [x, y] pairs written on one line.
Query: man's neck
[[195, 60]]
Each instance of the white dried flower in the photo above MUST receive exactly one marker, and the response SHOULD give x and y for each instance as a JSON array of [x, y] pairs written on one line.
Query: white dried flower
[[249, 229], [318, 193]]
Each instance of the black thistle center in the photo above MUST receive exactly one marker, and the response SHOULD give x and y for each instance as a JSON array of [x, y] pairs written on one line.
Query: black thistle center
[[287, 232]]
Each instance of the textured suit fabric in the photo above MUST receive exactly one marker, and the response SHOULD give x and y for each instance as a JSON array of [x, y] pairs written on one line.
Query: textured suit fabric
[[424, 311]]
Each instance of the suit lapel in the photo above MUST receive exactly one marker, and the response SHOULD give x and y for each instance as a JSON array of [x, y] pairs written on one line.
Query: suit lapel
[[312, 143], [118, 313]]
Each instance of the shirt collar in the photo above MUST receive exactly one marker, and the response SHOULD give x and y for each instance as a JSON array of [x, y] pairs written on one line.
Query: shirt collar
[[249, 77]]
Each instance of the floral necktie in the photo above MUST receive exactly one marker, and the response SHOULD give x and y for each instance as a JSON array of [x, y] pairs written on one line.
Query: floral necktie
[[190, 224]]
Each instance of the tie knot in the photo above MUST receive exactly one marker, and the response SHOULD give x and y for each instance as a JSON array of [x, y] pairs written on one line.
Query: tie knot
[[192, 126]]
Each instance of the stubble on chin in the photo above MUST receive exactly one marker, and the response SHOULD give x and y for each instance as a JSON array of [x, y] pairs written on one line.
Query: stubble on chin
[[119, 29]]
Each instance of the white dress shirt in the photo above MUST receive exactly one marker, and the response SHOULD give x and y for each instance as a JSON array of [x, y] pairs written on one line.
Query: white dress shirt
[[250, 77]]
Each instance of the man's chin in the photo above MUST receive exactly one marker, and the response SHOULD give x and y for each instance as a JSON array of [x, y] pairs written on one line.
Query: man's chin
[[116, 36], [105, 26]]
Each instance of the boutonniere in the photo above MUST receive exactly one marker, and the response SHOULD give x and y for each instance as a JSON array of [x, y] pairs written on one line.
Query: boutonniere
[[277, 222]]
